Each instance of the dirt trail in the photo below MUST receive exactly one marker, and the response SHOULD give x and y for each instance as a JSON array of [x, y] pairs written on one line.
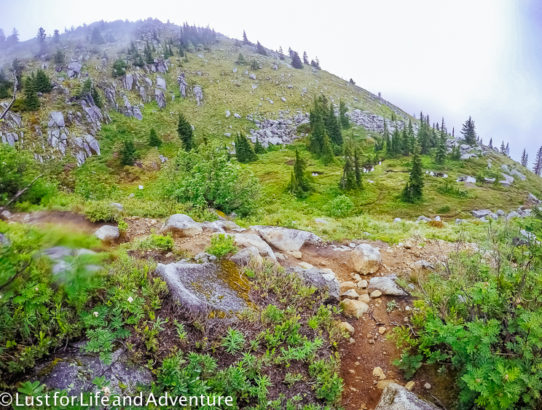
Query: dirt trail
[[367, 348]]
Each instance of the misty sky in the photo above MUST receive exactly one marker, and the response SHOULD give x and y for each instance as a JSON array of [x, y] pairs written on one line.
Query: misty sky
[[448, 58]]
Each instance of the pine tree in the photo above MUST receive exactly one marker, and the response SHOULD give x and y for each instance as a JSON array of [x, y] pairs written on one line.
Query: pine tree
[[468, 131], [537, 169], [507, 149], [245, 38], [424, 135], [387, 140], [396, 143], [318, 130], [299, 184], [524, 158], [296, 61], [31, 100], [261, 49], [241, 59], [332, 125], [327, 155], [413, 190], [343, 118], [127, 152], [305, 58], [491, 143], [440, 154], [243, 149], [41, 38], [281, 53], [411, 139], [96, 36], [147, 52], [503, 148], [357, 168], [258, 147], [59, 57], [154, 140], [348, 179], [184, 129], [56, 37], [42, 82]]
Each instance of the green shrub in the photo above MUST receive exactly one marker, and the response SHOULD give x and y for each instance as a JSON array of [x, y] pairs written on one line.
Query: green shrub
[[222, 245], [451, 189], [340, 207], [101, 211], [94, 180], [328, 383], [157, 242], [207, 178], [483, 318], [18, 171]]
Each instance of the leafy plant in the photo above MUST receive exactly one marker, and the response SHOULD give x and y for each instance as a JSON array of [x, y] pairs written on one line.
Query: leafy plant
[[222, 245], [340, 207], [234, 341]]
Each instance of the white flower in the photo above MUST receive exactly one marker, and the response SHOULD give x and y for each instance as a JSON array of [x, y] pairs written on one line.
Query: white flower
[[106, 390], [96, 314], [130, 299], [36, 289]]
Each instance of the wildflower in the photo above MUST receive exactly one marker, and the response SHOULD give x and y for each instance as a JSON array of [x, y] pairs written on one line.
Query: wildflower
[[130, 299], [96, 314]]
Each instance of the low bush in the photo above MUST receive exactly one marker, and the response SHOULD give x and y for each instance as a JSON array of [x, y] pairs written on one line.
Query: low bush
[[222, 245], [340, 207]]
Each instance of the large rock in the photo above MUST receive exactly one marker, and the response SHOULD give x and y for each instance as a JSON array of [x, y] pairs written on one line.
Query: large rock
[[480, 213], [160, 97], [321, 279], [4, 241], [183, 225], [365, 259], [56, 119], [354, 308], [246, 240], [74, 69], [396, 397], [198, 93], [202, 288], [247, 256], [107, 233], [74, 372], [386, 285], [285, 239]]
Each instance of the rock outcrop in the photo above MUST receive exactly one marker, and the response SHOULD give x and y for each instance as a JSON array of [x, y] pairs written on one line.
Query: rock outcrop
[[285, 239], [397, 397], [365, 259], [182, 225]]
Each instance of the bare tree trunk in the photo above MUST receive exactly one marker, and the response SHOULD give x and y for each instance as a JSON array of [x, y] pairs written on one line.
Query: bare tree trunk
[[22, 191], [12, 100]]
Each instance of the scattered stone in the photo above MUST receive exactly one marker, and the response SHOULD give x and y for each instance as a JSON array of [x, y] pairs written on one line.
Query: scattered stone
[[354, 308], [321, 279], [427, 386], [346, 327], [107, 233], [382, 384], [382, 330], [249, 239], [423, 218], [183, 225], [376, 294], [364, 298], [350, 293], [480, 213], [378, 372], [410, 385], [247, 256], [285, 239], [362, 284], [365, 259], [347, 285], [396, 397], [387, 285]]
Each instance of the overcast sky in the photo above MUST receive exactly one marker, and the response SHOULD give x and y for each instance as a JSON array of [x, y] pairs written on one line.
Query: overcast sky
[[448, 58]]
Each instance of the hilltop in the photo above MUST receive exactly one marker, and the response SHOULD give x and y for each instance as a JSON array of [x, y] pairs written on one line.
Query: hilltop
[[164, 258]]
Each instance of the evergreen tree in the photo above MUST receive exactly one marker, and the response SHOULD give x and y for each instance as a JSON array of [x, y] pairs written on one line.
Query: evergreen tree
[[281, 53], [343, 118], [396, 143], [413, 190], [41, 36], [537, 169], [184, 129], [456, 153], [241, 60], [348, 179], [318, 129], [327, 154], [424, 135], [56, 36], [154, 140], [42, 82], [258, 147], [387, 140], [128, 152], [491, 143], [59, 57], [507, 149], [296, 61], [468, 131], [411, 138], [13, 38], [332, 125], [316, 63], [440, 154], [243, 149], [503, 148], [31, 101], [96, 36], [245, 38], [261, 49], [305, 58], [147, 53], [299, 184], [357, 168], [524, 158], [119, 68]]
